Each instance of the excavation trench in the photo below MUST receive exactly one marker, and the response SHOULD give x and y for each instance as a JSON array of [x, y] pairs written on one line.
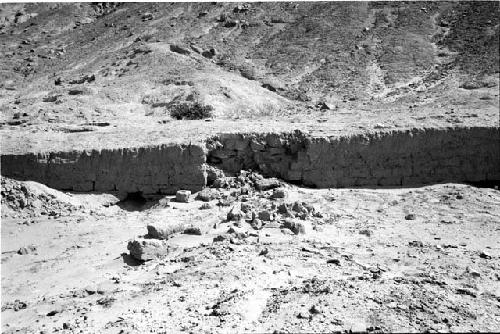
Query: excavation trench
[[397, 158]]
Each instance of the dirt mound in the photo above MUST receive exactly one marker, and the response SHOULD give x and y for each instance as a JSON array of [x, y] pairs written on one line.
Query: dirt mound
[[31, 199]]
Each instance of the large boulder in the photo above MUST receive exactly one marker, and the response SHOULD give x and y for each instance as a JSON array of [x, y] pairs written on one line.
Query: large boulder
[[147, 249], [162, 230]]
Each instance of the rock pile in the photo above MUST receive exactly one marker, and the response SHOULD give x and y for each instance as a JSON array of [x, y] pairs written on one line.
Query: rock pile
[[256, 206], [32, 199]]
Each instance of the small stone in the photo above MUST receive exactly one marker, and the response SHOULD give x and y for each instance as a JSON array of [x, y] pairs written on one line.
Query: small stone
[[238, 232], [272, 225], [221, 238], [333, 261], [19, 305], [264, 251], [206, 195], [466, 291], [179, 49], [303, 315], [183, 196], [205, 206], [189, 258], [474, 273], [410, 216], [265, 215], [267, 184], [416, 243], [283, 209], [193, 230], [299, 208], [315, 310], [279, 193], [26, 250], [164, 202], [358, 328], [246, 207], [53, 313], [147, 16], [366, 232], [484, 255], [235, 214], [256, 223]]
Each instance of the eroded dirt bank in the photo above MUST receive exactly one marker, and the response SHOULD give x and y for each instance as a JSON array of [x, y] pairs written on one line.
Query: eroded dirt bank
[[396, 158]]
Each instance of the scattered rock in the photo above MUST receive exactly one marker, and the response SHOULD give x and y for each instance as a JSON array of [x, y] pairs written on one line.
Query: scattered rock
[[366, 232], [106, 301], [207, 195], [295, 226], [16, 305], [147, 16], [209, 53], [241, 8], [83, 79], [466, 291], [92, 290], [27, 250], [279, 193], [179, 49], [183, 196], [358, 327]]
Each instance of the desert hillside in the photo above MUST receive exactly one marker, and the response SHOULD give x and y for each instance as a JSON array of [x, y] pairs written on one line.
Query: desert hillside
[[83, 61]]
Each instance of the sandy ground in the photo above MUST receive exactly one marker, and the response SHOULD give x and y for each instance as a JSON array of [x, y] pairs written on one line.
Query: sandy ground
[[366, 265]]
